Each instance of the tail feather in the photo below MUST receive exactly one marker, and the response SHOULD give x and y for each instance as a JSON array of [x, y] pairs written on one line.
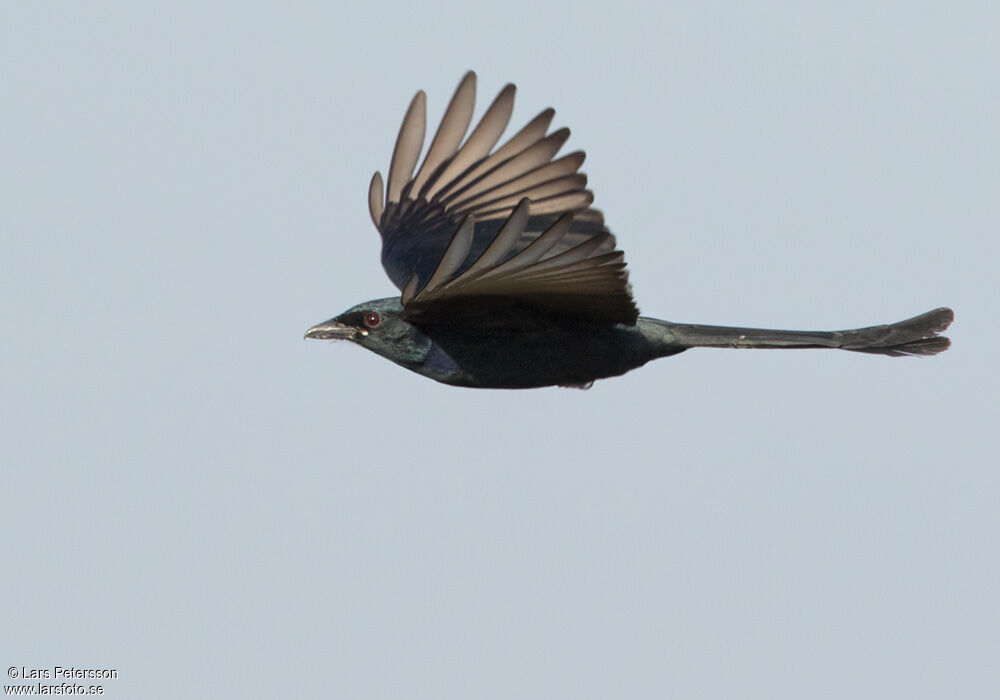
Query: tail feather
[[917, 336]]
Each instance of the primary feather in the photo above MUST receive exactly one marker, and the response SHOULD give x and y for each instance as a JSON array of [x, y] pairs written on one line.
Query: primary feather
[[475, 218]]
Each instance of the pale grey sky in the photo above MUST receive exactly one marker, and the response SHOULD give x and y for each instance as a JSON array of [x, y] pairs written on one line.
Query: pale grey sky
[[199, 498]]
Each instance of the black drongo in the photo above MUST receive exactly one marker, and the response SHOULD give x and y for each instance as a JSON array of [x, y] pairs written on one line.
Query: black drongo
[[510, 279]]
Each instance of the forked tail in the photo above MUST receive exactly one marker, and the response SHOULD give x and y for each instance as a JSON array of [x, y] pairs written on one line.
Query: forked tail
[[914, 336]]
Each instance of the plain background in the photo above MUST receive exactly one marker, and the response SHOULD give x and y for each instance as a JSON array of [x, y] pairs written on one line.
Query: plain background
[[199, 498]]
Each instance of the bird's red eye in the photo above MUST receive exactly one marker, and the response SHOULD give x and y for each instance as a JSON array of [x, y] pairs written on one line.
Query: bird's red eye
[[372, 319]]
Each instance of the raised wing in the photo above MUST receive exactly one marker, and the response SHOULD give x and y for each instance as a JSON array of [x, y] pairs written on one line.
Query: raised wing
[[582, 281], [511, 222]]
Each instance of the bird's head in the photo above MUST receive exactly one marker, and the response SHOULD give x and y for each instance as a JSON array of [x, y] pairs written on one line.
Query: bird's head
[[379, 326]]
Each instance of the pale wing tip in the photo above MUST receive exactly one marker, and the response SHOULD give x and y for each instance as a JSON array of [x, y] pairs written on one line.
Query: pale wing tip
[[418, 105], [375, 199], [466, 86], [409, 143], [504, 101], [506, 93]]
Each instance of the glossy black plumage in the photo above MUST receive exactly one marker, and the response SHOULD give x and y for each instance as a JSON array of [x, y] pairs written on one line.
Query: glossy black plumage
[[510, 279]]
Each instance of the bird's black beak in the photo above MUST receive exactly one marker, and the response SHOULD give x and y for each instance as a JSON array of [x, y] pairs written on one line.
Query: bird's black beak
[[331, 330]]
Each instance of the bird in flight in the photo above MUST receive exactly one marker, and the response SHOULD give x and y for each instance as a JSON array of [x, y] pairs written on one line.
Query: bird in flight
[[510, 279]]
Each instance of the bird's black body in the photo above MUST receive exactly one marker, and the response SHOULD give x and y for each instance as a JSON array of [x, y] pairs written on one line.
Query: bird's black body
[[510, 280], [521, 350], [565, 354], [526, 349]]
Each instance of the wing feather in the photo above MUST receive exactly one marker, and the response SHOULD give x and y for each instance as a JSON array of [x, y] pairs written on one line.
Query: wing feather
[[481, 221], [375, 201], [533, 132], [574, 254], [411, 288], [504, 242], [576, 199], [536, 155], [537, 248], [408, 145], [483, 138], [450, 133], [454, 255], [561, 167], [550, 188]]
